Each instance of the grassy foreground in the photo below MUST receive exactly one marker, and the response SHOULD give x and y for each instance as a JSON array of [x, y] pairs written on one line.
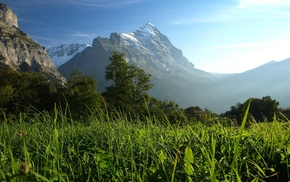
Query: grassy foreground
[[41, 147]]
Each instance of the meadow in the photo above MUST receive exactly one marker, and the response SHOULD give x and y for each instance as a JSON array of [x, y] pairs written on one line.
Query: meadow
[[51, 147]]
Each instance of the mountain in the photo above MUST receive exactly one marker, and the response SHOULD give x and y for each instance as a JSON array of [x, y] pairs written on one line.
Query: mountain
[[61, 54], [173, 76], [269, 79], [20, 52]]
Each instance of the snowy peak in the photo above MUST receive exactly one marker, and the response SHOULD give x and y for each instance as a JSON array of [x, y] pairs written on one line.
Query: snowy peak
[[146, 47], [148, 38], [149, 41], [148, 26], [61, 54], [147, 33], [148, 30]]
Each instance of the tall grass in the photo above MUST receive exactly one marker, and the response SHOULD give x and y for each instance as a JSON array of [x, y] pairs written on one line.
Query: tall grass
[[116, 148]]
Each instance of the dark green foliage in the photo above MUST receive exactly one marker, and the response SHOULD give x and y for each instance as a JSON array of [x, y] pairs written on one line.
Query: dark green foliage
[[264, 108], [21, 91], [260, 109], [193, 113], [166, 110], [286, 112], [128, 90], [81, 95], [196, 114]]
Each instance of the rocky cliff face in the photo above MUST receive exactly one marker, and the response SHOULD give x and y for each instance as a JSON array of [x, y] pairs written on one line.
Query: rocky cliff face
[[7, 17], [20, 52]]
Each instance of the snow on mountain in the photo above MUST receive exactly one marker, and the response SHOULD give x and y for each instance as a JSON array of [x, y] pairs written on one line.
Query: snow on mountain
[[61, 54], [149, 40], [174, 77], [148, 34]]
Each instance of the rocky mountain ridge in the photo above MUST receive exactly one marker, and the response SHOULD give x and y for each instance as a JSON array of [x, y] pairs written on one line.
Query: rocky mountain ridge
[[147, 40], [150, 50], [20, 52], [150, 40]]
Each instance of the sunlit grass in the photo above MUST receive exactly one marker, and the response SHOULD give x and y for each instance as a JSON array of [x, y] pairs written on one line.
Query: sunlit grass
[[116, 148]]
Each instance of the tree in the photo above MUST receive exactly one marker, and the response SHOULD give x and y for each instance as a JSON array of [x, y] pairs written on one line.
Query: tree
[[21, 91], [165, 111], [260, 109], [6, 88], [193, 113], [264, 108], [129, 85], [81, 94], [33, 89]]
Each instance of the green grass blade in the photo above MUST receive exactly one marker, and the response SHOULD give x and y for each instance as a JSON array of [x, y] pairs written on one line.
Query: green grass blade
[[236, 145]]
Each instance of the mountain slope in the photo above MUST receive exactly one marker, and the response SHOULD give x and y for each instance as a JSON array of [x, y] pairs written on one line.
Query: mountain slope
[[20, 52], [173, 76], [269, 79], [61, 54]]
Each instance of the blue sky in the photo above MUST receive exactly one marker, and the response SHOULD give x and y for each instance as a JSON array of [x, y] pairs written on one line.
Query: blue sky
[[226, 36]]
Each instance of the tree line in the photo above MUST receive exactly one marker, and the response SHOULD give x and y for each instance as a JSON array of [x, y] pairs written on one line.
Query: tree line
[[22, 92]]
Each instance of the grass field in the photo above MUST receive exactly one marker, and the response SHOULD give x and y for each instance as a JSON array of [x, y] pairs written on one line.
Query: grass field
[[41, 147]]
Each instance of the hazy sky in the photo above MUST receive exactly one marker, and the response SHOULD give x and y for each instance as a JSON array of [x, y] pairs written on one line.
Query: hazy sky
[[216, 35]]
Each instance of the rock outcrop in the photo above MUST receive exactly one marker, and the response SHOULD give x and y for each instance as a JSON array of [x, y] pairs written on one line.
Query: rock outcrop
[[7, 17], [20, 52]]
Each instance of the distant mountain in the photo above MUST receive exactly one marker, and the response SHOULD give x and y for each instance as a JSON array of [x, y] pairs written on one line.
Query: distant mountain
[[269, 79], [61, 54], [173, 76], [20, 52]]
